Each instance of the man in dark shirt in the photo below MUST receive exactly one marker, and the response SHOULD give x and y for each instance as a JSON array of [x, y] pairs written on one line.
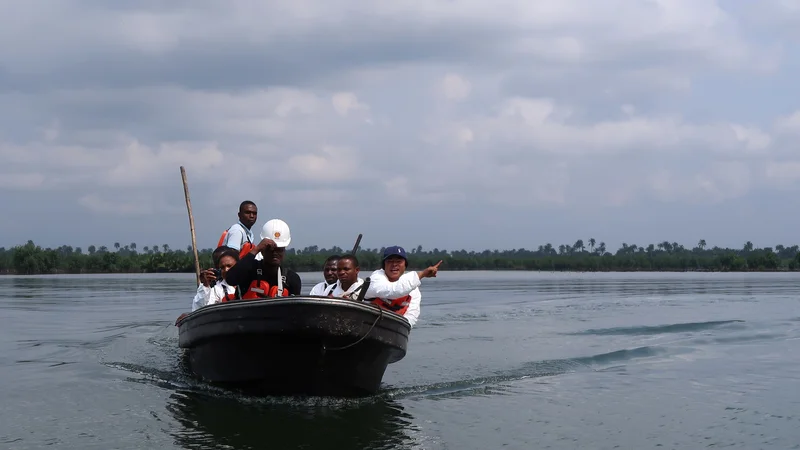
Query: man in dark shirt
[[275, 237]]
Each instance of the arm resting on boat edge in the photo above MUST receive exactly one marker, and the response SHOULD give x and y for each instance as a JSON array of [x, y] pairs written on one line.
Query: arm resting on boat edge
[[381, 287], [242, 272]]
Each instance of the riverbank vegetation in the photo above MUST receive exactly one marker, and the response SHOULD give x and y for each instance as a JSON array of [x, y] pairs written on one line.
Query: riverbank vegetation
[[31, 259]]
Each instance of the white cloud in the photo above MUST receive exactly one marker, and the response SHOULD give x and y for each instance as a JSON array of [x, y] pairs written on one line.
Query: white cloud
[[455, 87], [344, 102], [141, 165]]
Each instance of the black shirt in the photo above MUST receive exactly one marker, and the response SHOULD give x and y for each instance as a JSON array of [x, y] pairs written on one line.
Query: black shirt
[[246, 270]]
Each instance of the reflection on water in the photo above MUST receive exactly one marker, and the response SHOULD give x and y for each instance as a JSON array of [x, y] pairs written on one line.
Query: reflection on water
[[210, 421]]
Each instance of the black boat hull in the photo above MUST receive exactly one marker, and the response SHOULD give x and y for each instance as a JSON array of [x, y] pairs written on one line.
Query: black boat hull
[[294, 346]]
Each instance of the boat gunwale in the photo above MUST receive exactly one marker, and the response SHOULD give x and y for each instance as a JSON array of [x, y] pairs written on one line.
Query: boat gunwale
[[300, 299]]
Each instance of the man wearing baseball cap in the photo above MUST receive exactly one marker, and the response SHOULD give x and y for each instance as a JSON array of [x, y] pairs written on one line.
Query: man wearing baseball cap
[[266, 278], [393, 289]]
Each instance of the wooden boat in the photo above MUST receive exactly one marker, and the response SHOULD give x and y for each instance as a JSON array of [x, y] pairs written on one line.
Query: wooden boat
[[304, 345]]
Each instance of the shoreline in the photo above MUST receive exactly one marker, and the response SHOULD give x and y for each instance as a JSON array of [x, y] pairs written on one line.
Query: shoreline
[[30, 259], [779, 270]]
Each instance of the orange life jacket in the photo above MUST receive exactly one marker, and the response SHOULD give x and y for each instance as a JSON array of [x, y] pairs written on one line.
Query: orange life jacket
[[258, 289], [246, 247], [396, 305]]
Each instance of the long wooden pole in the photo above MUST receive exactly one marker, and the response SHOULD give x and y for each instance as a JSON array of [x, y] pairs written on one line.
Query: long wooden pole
[[191, 225]]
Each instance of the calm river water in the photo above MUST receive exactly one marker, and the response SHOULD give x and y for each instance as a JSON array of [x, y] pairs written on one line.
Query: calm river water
[[499, 360]]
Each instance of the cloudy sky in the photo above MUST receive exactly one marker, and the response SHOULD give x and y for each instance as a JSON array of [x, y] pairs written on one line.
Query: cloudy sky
[[451, 124]]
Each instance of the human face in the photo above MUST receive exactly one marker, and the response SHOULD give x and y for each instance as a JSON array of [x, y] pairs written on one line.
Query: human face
[[347, 272], [225, 263], [394, 266], [248, 215], [274, 256], [329, 271]]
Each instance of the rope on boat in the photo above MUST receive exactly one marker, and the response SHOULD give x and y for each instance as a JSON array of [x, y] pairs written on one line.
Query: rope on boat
[[362, 337]]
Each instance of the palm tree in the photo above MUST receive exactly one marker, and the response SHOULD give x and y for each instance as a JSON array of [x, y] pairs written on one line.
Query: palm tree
[[701, 244]]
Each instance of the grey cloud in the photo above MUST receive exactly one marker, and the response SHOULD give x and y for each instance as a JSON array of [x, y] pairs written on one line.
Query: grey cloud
[[97, 116]]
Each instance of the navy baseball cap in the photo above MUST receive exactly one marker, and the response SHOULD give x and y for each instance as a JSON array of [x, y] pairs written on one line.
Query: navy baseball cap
[[394, 250]]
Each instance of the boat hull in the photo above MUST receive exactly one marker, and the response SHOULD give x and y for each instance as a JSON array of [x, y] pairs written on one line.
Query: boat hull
[[294, 346]]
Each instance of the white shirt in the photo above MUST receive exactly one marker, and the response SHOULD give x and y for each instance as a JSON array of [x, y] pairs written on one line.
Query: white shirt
[[322, 288], [209, 296], [237, 235], [351, 293], [201, 297], [407, 284]]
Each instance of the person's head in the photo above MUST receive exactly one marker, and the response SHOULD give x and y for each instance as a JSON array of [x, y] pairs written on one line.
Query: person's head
[[227, 259], [278, 231], [329, 269], [248, 213], [347, 270], [394, 262], [218, 252]]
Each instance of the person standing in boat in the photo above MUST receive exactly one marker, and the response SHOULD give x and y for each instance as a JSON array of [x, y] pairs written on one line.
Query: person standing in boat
[[348, 284], [329, 274], [266, 278], [240, 236], [393, 289]]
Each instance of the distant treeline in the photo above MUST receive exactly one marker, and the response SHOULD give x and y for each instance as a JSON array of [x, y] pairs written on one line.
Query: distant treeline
[[31, 259]]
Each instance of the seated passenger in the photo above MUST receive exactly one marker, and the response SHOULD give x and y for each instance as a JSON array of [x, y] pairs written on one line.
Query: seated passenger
[[329, 271], [266, 278], [207, 277], [349, 284], [392, 289], [240, 236], [220, 290]]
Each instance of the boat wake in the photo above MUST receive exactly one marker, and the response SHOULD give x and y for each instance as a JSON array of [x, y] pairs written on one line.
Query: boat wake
[[180, 379], [657, 329], [495, 384], [172, 373]]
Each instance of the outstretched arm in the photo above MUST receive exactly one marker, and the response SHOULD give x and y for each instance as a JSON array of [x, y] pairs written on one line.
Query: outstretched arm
[[381, 287]]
